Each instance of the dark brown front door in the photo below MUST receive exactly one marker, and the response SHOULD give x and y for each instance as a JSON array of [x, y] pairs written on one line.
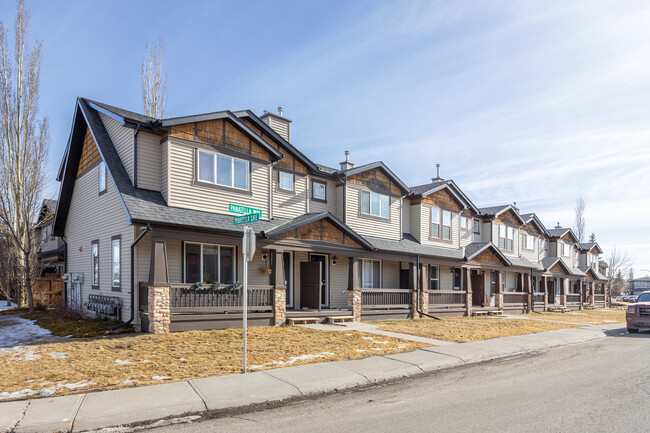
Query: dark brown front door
[[310, 284], [550, 290], [478, 290]]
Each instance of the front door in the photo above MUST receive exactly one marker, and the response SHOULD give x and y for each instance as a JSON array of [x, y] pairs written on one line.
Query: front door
[[478, 289], [558, 290], [324, 272], [310, 284], [550, 290]]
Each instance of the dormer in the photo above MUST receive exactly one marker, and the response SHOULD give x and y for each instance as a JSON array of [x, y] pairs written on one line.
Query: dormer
[[562, 243], [534, 238], [505, 224]]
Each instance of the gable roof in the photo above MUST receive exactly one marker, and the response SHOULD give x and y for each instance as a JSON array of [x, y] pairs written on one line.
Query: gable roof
[[549, 262], [557, 233], [588, 246], [409, 245], [495, 211], [534, 219], [371, 166], [475, 248], [309, 218], [449, 185]]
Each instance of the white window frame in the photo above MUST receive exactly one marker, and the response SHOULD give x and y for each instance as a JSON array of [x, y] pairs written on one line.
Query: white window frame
[[215, 157], [116, 261], [464, 223], [201, 270], [437, 279], [372, 283], [380, 197], [476, 226], [324, 185], [286, 176], [102, 176], [94, 263], [443, 225], [528, 242]]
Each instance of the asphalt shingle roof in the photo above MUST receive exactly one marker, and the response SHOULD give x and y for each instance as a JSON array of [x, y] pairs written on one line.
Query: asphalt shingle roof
[[492, 210], [421, 189], [141, 118], [410, 245]]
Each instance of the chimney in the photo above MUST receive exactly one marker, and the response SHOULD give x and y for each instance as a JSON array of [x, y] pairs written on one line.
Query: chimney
[[347, 165], [280, 124], [558, 226], [437, 178], [514, 205]]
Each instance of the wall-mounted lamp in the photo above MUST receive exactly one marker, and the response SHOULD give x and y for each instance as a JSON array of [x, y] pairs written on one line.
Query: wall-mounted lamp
[[81, 248], [334, 260], [265, 256]]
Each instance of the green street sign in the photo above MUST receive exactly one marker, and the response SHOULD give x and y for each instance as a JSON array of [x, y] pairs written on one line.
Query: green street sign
[[245, 219], [235, 208]]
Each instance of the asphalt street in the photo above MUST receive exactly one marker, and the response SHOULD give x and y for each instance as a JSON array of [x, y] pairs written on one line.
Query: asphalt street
[[601, 386]]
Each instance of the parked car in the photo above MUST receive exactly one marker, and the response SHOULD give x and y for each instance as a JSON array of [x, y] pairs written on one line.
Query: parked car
[[629, 298], [638, 313]]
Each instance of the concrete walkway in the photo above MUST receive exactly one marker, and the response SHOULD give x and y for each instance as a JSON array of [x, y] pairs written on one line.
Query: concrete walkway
[[91, 411]]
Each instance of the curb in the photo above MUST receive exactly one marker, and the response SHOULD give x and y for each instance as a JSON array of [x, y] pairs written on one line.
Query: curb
[[148, 404]]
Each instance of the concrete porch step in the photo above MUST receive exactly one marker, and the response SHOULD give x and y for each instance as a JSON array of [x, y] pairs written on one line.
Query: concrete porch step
[[557, 309], [302, 320], [479, 313], [495, 313], [339, 319]]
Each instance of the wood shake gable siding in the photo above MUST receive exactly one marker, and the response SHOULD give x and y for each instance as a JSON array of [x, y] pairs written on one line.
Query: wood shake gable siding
[[186, 193], [98, 217], [122, 139]]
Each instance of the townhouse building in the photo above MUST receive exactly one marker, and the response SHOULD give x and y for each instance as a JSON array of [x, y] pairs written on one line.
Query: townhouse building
[[146, 210]]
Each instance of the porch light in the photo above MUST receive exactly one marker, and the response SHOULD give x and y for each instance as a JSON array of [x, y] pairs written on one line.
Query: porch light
[[334, 260]]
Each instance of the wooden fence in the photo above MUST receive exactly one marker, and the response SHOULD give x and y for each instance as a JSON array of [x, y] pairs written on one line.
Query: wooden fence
[[49, 292], [442, 298], [386, 298]]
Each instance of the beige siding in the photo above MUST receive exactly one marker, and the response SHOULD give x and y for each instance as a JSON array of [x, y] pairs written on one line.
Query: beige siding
[[406, 216], [122, 139], [531, 255], [390, 274], [339, 283], [183, 193], [149, 161], [279, 126], [290, 204], [143, 257], [384, 228], [416, 221], [93, 217], [487, 233], [164, 170], [446, 278], [467, 236], [333, 201], [511, 281]]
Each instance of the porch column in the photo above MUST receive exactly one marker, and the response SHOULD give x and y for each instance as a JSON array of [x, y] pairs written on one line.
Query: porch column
[[413, 279], [159, 307], [528, 288], [424, 289], [278, 281], [563, 292], [592, 293], [467, 283], [545, 281], [581, 291], [354, 289], [498, 293]]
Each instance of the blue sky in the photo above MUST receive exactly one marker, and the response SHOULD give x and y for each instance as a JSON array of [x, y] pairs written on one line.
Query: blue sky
[[533, 102]]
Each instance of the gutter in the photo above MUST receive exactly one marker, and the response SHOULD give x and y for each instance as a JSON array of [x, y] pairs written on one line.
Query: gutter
[[144, 232]]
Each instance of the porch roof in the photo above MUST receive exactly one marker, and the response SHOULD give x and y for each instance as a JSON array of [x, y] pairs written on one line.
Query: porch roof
[[409, 245], [595, 274], [549, 262], [523, 262], [475, 248]]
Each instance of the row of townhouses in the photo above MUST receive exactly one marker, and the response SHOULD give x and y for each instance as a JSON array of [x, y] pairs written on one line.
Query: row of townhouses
[[145, 214]]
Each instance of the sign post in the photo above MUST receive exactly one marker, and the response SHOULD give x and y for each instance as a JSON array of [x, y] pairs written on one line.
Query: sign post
[[248, 250]]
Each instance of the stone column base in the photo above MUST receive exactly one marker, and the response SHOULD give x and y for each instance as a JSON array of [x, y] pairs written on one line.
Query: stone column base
[[545, 301], [159, 309], [354, 304], [468, 304], [279, 306], [529, 308], [563, 300]]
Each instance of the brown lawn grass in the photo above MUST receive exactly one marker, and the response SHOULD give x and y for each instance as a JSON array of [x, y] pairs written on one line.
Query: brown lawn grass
[[181, 356], [466, 329], [587, 317], [62, 326]]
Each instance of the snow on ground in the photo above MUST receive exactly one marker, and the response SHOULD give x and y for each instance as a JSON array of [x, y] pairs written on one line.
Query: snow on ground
[[17, 331], [4, 306], [44, 392], [293, 359], [127, 362]]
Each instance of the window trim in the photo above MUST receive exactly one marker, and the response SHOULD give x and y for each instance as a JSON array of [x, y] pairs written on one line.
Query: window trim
[[371, 215], [101, 167], [437, 279], [440, 238], [94, 285], [381, 273], [293, 181], [466, 228], [478, 226], [506, 238], [322, 200], [184, 260], [117, 288], [525, 244], [215, 156]]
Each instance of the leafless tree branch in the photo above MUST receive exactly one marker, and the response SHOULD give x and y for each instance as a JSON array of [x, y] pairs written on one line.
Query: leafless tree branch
[[154, 80], [579, 221]]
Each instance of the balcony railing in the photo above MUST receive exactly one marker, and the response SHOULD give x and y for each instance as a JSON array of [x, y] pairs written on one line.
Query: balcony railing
[[442, 298], [573, 299], [518, 298], [386, 298]]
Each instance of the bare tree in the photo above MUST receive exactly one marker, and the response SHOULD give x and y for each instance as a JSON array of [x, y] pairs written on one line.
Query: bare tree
[[592, 238], [618, 263], [579, 221], [23, 149], [154, 80]]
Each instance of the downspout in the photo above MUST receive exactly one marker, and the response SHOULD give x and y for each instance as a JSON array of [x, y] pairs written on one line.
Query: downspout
[[144, 232], [65, 267], [135, 156]]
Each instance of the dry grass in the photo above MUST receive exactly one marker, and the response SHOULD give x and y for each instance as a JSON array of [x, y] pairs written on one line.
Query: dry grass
[[181, 356], [63, 326], [601, 316], [466, 329]]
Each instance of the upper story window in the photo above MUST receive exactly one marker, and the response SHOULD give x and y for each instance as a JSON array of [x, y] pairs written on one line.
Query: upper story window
[[477, 227], [102, 177], [565, 250], [318, 190], [440, 224], [209, 263], [370, 274], [285, 181], [375, 204], [223, 170], [464, 223], [506, 237], [528, 241]]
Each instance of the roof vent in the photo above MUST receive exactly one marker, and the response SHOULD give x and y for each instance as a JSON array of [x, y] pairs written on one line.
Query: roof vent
[[280, 111], [437, 178], [514, 206], [280, 124], [347, 165], [558, 226]]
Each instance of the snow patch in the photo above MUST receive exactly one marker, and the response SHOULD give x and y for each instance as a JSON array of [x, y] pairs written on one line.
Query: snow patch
[[127, 362], [59, 355], [44, 392], [372, 340], [4, 306], [21, 353], [21, 331], [293, 359], [160, 377]]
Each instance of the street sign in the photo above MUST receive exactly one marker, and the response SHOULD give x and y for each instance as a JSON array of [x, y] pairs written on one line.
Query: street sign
[[245, 210], [245, 219], [248, 250]]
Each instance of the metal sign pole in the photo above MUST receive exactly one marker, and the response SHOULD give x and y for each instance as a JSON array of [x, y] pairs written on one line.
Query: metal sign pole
[[245, 289]]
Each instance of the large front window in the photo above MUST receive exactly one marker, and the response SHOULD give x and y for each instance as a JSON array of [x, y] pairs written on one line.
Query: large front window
[[371, 274], [375, 204], [440, 224], [506, 237], [223, 170], [209, 263]]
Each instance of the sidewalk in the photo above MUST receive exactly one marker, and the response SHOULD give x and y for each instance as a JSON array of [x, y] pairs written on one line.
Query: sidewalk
[[96, 410]]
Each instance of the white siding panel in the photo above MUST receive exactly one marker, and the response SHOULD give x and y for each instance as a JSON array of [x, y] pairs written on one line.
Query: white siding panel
[[164, 171], [332, 199], [94, 217], [149, 161], [446, 278], [122, 139], [290, 204], [183, 193], [416, 221], [383, 228], [511, 281]]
